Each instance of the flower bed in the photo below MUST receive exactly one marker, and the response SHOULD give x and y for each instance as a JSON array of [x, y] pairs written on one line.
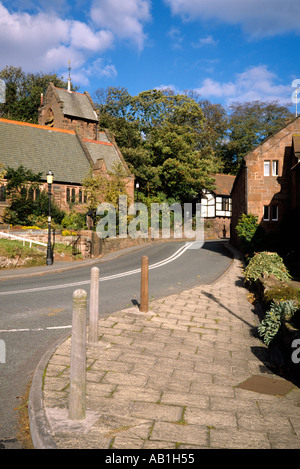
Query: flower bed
[[280, 298]]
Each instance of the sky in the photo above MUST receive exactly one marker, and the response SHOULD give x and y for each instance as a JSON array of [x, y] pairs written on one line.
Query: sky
[[225, 50]]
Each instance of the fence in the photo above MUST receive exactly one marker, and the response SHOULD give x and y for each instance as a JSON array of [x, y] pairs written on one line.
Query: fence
[[19, 238], [80, 339]]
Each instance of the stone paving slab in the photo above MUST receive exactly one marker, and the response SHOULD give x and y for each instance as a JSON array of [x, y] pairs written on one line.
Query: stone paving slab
[[168, 379]]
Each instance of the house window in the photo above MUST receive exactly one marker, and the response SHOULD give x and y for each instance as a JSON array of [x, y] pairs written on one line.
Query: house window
[[274, 212], [73, 196], [266, 213], [275, 168], [267, 166], [68, 194], [270, 213], [80, 196], [225, 204]]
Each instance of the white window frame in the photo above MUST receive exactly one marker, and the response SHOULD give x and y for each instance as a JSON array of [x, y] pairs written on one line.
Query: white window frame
[[274, 167], [267, 168]]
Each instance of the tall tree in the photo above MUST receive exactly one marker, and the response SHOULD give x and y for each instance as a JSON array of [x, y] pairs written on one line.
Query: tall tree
[[23, 93], [160, 134], [249, 124]]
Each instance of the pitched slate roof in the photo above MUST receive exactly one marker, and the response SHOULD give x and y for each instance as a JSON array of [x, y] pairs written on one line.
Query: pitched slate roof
[[41, 149], [77, 104], [106, 150]]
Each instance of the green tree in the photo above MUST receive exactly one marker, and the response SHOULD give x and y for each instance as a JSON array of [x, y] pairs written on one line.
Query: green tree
[[101, 189], [248, 125], [20, 184], [20, 188], [23, 93], [160, 134]]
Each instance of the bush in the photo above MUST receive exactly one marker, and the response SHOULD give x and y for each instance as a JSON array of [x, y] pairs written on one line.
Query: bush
[[74, 221], [249, 232], [268, 263], [282, 292], [279, 312]]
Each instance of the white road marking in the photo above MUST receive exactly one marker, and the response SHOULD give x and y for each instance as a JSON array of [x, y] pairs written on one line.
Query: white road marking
[[172, 258], [37, 329]]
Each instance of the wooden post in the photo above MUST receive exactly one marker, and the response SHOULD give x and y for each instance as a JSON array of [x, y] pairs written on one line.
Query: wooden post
[[94, 307], [144, 308], [77, 397]]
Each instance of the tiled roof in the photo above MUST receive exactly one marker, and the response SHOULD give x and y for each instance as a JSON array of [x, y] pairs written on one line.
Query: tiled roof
[[42, 149], [223, 184], [104, 149], [77, 105]]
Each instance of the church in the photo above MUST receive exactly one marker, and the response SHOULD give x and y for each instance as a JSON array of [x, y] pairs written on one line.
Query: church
[[66, 141]]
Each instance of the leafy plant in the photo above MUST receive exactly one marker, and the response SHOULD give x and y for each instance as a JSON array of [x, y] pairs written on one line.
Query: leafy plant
[[281, 292], [268, 263], [73, 221], [24, 208], [249, 232], [270, 325]]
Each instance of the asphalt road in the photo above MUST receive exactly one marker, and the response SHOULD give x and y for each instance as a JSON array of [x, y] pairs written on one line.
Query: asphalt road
[[36, 311]]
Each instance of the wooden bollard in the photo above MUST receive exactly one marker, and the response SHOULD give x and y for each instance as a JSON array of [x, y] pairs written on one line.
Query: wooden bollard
[[144, 307], [77, 397], [94, 307]]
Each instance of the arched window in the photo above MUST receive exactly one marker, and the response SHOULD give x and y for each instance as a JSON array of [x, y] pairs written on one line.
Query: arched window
[[49, 118]]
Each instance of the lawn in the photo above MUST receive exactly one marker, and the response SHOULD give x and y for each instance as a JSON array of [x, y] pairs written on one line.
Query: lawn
[[13, 254]]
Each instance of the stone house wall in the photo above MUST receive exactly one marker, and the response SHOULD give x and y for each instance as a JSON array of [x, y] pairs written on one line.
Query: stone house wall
[[266, 196]]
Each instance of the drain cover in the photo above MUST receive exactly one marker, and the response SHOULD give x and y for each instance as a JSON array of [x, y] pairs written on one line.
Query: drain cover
[[267, 385]]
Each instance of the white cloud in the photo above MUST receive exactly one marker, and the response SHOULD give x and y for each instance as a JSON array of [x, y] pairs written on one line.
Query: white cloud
[[176, 37], [125, 18], [205, 41], [256, 83], [45, 42], [257, 17], [82, 37]]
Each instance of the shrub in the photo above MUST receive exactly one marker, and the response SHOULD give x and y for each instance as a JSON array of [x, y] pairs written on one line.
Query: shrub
[[282, 292], [249, 232], [73, 221], [268, 263], [270, 325]]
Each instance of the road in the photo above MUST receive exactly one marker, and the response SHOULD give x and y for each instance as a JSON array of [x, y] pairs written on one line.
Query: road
[[36, 311]]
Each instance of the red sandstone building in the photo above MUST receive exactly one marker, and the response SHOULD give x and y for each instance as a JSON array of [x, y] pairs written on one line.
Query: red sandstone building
[[267, 184], [66, 141]]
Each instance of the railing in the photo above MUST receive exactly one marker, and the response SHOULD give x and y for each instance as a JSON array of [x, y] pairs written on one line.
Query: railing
[[19, 238]]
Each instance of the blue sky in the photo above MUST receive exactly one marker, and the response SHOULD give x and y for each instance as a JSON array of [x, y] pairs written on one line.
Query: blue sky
[[226, 50]]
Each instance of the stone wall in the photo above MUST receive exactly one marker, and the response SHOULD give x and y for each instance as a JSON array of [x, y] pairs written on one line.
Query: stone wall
[[51, 114], [217, 228], [253, 190]]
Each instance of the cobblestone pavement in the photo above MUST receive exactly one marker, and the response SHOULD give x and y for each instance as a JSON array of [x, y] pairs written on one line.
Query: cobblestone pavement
[[175, 377]]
